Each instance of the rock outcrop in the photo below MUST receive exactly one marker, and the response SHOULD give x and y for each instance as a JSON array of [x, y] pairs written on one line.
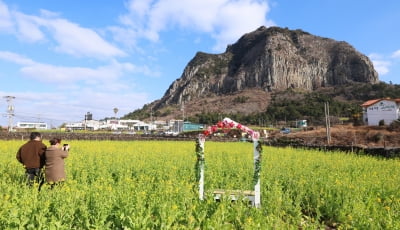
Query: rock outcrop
[[270, 59]]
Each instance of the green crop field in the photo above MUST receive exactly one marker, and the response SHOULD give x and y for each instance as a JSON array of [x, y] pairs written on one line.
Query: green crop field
[[151, 185]]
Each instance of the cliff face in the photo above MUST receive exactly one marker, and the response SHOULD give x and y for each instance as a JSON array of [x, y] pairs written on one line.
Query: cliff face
[[271, 59]]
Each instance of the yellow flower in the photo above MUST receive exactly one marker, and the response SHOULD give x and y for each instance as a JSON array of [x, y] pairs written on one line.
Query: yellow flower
[[191, 219], [249, 220], [349, 217]]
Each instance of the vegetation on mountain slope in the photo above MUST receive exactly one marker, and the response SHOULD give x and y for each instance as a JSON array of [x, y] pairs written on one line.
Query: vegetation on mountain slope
[[289, 105]]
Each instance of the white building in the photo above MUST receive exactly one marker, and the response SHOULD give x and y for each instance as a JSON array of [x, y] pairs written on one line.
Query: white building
[[142, 126], [112, 124], [31, 125], [385, 109], [75, 126], [128, 123], [115, 124]]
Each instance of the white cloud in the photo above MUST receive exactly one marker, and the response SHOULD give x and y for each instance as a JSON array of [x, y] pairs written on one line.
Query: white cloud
[[232, 26], [70, 38], [127, 37], [27, 29], [225, 20], [48, 14], [6, 23], [139, 10], [104, 101], [78, 41], [396, 54], [50, 73], [64, 74], [15, 58], [381, 65]]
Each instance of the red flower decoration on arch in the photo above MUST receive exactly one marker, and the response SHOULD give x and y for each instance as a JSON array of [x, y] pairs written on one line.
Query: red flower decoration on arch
[[228, 124]]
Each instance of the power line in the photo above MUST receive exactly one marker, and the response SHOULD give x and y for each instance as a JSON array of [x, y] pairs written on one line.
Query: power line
[[27, 117], [64, 105]]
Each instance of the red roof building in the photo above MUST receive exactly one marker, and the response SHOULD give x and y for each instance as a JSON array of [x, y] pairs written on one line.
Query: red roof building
[[384, 109]]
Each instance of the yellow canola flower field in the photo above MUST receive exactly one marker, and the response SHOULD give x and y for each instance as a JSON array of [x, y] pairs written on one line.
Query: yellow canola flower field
[[151, 185]]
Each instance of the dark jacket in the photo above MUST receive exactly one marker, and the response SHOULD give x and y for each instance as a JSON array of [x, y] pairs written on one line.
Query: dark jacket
[[31, 154], [55, 164]]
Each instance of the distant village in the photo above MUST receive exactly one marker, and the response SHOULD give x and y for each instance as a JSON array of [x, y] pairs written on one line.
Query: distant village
[[375, 112], [171, 127]]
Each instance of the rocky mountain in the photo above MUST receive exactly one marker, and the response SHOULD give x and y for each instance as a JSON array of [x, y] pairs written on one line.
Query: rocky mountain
[[271, 59], [264, 61]]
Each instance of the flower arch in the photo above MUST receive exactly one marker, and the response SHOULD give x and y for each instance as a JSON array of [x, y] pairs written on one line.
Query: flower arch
[[227, 123]]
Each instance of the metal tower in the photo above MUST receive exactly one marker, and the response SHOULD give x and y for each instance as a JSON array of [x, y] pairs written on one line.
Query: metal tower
[[10, 111]]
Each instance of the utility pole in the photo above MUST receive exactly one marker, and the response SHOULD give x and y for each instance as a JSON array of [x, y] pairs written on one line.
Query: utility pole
[[86, 118], [151, 115], [327, 123], [151, 118], [10, 111], [183, 111]]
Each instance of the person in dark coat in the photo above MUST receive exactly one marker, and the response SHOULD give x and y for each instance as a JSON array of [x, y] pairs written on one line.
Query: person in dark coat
[[54, 167], [31, 155]]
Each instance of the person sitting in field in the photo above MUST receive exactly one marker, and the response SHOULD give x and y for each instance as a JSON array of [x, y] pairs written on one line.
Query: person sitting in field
[[54, 166]]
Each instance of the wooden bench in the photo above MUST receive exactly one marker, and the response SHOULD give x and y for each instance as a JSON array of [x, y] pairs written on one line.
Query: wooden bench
[[235, 195]]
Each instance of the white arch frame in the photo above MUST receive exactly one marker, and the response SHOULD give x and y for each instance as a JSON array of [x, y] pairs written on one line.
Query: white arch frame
[[257, 150]]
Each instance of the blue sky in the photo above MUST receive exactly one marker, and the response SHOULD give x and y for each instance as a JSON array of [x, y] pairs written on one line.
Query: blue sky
[[62, 59]]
